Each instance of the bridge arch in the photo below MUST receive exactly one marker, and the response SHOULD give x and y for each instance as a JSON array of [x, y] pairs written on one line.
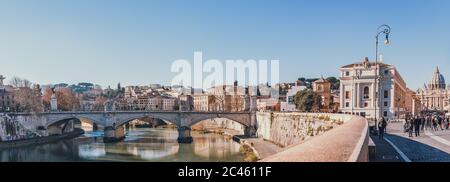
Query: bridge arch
[[124, 119], [61, 120], [243, 119]]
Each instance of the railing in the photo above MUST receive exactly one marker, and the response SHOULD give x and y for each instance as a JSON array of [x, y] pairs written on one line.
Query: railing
[[145, 111], [346, 143]]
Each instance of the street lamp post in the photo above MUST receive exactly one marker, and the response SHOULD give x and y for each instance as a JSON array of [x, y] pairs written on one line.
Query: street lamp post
[[386, 30]]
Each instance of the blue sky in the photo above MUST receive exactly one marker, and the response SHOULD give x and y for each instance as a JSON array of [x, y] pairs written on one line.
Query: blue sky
[[135, 42]]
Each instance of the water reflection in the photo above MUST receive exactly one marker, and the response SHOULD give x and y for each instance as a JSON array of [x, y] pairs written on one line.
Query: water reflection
[[152, 145]]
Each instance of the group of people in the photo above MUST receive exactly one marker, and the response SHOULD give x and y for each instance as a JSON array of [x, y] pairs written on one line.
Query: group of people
[[416, 124]]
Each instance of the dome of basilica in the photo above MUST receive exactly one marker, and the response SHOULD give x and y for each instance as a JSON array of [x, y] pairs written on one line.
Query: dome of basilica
[[438, 81]]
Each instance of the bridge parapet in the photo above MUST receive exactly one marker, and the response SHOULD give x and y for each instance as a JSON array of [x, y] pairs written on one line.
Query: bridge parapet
[[114, 120], [345, 143]]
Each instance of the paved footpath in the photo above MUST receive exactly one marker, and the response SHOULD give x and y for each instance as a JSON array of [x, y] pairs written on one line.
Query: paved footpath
[[384, 151], [264, 148], [431, 146]]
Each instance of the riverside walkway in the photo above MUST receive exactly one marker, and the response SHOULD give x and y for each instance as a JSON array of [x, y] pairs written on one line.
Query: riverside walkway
[[262, 147]]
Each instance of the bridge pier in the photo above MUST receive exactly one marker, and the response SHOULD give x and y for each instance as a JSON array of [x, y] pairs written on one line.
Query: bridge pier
[[184, 135], [94, 127], [112, 134], [54, 130], [250, 131]]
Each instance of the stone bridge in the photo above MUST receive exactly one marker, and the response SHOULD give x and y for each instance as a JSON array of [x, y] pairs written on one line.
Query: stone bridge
[[114, 121]]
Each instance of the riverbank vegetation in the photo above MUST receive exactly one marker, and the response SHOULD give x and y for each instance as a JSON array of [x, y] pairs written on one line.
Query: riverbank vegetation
[[249, 154]]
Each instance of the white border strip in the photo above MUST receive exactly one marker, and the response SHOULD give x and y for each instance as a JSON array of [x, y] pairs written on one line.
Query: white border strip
[[404, 157], [437, 138]]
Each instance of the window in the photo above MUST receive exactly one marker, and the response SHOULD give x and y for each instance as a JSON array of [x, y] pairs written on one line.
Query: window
[[366, 93], [385, 114], [366, 104], [386, 72], [385, 104], [386, 94], [347, 104], [363, 114], [347, 73], [347, 94]]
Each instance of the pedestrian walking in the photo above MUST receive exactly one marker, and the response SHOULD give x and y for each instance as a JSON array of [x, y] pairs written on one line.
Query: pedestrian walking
[[422, 122], [429, 125], [448, 123], [411, 127], [439, 120], [434, 121], [417, 123], [382, 128]]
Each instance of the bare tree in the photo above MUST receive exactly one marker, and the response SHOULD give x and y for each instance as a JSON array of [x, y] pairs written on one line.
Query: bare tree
[[46, 98], [19, 82], [28, 99], [100, 103], [67, 100]]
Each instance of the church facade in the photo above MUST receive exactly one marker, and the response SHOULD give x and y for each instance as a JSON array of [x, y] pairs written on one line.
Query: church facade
[[435, 95]]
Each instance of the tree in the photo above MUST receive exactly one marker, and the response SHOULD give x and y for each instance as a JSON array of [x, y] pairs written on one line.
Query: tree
[[334, 82], [28, 100], [67, 100], [307, 101], [19, 82], [307, 81], [100, 103], [46, 98]]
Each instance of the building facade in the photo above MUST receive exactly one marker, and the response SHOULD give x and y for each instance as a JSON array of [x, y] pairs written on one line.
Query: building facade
[[7, 102], [359, 95], [202, 102], [185, 102], [435, 95], [323, 88], [289, 105]]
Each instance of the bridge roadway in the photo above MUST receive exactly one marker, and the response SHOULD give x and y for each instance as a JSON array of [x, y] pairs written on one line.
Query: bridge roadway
[[113, 121], [430, 146]]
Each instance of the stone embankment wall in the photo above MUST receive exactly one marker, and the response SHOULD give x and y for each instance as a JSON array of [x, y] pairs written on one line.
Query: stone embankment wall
[[287, 129], [13, 130]]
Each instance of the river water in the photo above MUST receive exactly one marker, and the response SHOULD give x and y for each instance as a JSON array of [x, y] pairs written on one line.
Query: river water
[[140, 145]]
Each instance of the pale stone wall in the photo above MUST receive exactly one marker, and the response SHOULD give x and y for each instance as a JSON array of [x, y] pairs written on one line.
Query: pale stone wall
[[286, 129], [222, 123], [11, 129]]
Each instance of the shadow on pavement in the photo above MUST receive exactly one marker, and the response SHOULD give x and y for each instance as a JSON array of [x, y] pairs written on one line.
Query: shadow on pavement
[[384, 151], [418, 152]]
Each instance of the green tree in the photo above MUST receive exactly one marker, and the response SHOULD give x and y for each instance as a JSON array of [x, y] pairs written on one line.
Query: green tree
[[307, 81], [307, 101], [334, 82]]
